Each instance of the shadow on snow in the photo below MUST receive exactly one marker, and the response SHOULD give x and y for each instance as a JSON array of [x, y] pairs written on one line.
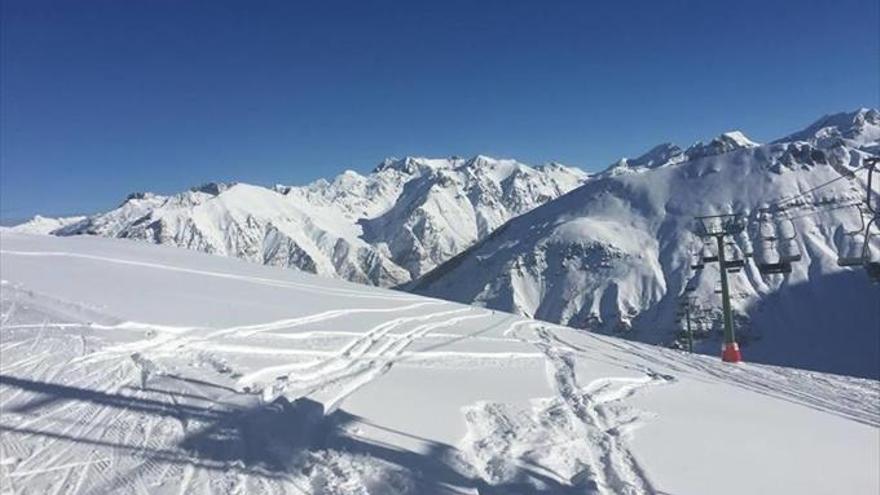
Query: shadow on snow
[[268, 440]]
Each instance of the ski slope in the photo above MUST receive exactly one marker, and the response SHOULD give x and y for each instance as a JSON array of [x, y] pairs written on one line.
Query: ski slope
[[615, 255], [134, 368]]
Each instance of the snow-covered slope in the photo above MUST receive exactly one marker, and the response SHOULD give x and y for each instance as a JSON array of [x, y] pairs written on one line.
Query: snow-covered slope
[[448, 207], [860, 129], [249, 222], [44, 225], [383, 229], [614, 255], [133, 368]]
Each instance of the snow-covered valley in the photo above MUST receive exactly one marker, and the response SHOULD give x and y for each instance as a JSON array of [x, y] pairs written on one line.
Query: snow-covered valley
[[133, 368]]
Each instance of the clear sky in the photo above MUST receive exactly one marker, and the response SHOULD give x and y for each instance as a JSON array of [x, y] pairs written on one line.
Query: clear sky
[[102, 98]]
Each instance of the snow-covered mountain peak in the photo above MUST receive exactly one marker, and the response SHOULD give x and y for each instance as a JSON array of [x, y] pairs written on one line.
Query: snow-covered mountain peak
[[725, 143], [484, 161], [658, 156], [554, 166], [381, 228], [446, 209], [667, 154], [348, 178], [414, 165], [213, 188], [44, 225], [859, 128], [737, 139], [136, 196]]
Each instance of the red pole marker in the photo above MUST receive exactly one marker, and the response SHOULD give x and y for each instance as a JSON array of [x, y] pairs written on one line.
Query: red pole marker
[[730, 353]]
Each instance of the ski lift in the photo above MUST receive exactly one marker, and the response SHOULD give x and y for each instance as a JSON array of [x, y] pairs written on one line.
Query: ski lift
[[708, 254], [770, 266], [872, 261], [853, 245], [873, 207], [789, 251], [767, 256], [860, 250], [869, 254], [734, 258], [745, 244], [697, 260]]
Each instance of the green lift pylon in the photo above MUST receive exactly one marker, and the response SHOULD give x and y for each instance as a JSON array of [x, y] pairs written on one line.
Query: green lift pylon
[[720, 227]]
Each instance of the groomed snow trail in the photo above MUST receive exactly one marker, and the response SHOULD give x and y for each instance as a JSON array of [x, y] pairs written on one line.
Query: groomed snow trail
[[277, 384]]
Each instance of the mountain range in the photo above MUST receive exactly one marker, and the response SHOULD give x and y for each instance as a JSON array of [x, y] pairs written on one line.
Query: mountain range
[[609, 252]]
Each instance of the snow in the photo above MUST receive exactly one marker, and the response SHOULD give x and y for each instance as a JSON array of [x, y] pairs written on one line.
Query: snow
[[45, 225], [614, 255], [130, 367], [860, 129], [739, 139], [382, 229]]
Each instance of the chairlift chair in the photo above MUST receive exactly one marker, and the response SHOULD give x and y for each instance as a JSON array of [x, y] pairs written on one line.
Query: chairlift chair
[[708, 254], [768, 257], [697, 260], [769, 261], [853, 245], [789, 251], [734, 258], [873, 206], [872, 261], [774, 268], [859, 249], [869, 255]]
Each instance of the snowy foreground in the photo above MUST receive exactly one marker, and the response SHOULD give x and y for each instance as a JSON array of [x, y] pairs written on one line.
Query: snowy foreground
[[129, 367]]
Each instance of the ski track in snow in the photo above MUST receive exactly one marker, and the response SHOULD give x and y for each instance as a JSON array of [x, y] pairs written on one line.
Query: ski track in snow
[[103, 410], [616, 469], [843, 396], [44, 450], [330, 291], [176, 338], [364, 359], [577, 438]]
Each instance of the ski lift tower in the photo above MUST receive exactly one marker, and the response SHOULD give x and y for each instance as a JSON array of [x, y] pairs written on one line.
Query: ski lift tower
[[860, 250], [721, 227]]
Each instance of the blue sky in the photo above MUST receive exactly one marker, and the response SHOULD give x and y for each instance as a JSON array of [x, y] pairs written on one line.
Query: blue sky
[[102, 98]]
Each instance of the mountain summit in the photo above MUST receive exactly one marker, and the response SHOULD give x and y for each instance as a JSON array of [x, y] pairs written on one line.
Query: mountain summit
[[384, 228]]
